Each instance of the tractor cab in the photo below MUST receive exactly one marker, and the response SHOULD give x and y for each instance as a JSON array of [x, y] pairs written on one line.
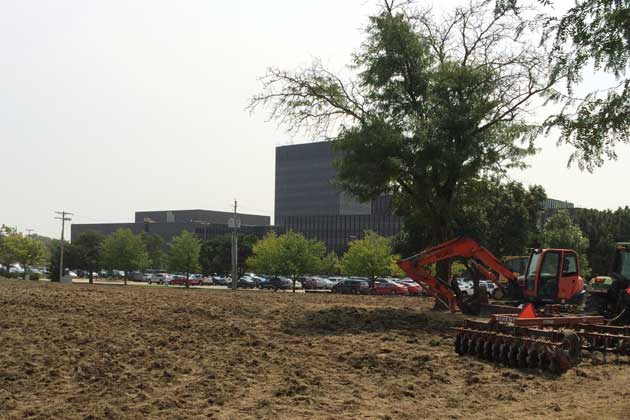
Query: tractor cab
[[553, 276]]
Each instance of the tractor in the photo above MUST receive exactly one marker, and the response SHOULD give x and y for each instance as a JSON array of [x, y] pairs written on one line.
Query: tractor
[[610, 295]]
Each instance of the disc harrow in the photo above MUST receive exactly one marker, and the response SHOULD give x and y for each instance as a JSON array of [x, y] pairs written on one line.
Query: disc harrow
[[554, 349], [517, 347]]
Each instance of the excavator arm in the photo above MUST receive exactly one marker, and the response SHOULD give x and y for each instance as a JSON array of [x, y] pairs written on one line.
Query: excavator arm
[[464, 248]]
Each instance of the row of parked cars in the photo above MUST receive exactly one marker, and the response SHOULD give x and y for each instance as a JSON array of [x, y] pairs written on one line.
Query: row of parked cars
[[383, 286], [466, 286]]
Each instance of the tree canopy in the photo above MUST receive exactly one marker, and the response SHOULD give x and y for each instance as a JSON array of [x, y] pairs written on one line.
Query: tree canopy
[[85, 252], [591, 35], [289, 254], [184, 253], [122, 250], [434, 103], [216, 253], [154, 245], [561, 232], [370, 257], [18, 248]]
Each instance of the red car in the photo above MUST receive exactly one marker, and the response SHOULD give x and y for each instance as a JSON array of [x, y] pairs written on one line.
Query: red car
[[414, 288], [388, 287], [181, 281]]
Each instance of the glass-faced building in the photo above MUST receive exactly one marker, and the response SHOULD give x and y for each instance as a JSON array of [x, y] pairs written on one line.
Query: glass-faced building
[[307, 200]]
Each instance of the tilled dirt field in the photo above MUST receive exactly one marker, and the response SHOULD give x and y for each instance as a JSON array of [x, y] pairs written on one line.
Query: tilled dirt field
[[110, 352]]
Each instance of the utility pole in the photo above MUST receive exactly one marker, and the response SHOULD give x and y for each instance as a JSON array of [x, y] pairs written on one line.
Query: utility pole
[[64, 218], [29, 232], [234, 224]]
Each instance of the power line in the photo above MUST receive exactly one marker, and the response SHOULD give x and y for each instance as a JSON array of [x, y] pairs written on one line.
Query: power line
[[64, 218]]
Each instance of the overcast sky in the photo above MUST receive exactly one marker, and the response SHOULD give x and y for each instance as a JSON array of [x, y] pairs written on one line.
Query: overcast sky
[[108, 107]]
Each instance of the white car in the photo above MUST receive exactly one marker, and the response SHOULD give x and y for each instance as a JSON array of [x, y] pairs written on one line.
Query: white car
[[160, 278]]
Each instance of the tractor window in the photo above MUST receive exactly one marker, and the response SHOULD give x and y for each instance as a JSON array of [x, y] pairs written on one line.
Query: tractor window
[[569, 268], [625, 264], [530, 279], [548, 277]]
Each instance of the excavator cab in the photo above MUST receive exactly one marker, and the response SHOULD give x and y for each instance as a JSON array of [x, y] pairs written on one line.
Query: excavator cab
[[553, 276]]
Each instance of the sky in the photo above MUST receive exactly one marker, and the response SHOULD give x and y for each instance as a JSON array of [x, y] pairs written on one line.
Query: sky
[[107, 108]]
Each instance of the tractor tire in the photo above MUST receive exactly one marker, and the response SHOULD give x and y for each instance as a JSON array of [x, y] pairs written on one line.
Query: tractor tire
[[498, 294]]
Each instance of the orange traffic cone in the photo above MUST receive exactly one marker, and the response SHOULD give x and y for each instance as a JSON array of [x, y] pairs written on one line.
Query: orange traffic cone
[[528, 312]]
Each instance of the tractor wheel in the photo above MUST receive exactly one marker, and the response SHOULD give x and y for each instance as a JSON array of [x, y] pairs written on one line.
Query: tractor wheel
[[498, 294]]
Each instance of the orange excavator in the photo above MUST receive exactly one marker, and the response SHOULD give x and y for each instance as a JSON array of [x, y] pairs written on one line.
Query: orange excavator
[[552, 275]]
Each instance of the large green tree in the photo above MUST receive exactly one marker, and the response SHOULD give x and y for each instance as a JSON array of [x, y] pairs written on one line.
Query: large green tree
[[289, 254], [369, 257], [183, 254], [435, 102], [503, 216], [122, 250], [561, 232], [216, 253]]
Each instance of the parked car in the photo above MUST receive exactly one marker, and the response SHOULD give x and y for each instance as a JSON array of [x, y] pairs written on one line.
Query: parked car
[[246, 282], [388, 287], [135, 276], [181, 280], [146, 277], [160, 278], [221, 280], [352, 285], [278, 283], [259, 280], [414, 288], [314, 283]]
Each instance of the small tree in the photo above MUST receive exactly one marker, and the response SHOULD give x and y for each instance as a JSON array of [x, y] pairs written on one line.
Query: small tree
[[87, 252], [369, 257], [15, 247], [289, 255], [561, 232], [216, 253], [8, 250], [184, 254], [124, 250], [330, 264], [33, 252]]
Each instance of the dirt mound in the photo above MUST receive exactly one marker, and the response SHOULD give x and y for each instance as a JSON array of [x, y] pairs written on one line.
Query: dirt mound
[[102, 352]]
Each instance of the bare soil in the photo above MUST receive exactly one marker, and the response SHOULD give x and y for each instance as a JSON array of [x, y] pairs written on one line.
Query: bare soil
[[115, 352]]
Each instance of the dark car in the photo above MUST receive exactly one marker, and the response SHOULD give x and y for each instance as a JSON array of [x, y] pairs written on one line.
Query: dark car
[[353, 286], [277, 283], [246, 282], [314, 283], [182, 281]]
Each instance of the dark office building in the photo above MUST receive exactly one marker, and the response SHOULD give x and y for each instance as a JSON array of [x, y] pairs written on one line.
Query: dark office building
[[170, 223], [307, 201]]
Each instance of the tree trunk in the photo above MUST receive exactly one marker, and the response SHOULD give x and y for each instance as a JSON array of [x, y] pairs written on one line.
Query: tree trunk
[[294, 285], [442, 268], [91, 277]]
